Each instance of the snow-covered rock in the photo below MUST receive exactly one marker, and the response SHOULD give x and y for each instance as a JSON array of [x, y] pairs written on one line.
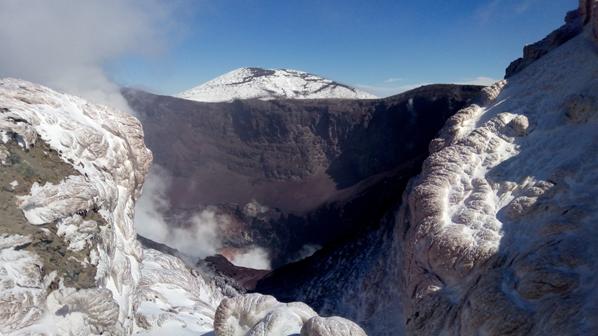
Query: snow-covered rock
[[263, 315], [173, 298], [265, 84], [80, 168], [330, 326], [499, 233]]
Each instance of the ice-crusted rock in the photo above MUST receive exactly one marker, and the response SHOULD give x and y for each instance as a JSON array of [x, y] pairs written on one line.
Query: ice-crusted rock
[[174, 299], [262, 315], [256, 314], [83, 217], [265, 84], [499, 233], [22, 288], [331, 326]]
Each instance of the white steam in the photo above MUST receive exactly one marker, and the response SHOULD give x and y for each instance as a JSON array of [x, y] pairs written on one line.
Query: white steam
[[66, 44], [199, 238], [256, 257]]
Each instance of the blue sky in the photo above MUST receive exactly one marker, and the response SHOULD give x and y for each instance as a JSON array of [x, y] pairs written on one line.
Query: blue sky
[[383, 46]]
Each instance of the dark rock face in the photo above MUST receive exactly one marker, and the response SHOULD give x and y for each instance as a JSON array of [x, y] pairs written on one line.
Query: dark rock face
[[292, 173]]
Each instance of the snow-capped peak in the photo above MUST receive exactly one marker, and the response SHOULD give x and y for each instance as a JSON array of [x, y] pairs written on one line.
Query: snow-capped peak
[[266, 84]]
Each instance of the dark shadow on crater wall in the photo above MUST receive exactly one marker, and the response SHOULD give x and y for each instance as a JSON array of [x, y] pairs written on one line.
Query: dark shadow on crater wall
[[325, 169]]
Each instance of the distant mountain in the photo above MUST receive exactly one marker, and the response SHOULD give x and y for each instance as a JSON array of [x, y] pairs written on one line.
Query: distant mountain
[[267, 84]]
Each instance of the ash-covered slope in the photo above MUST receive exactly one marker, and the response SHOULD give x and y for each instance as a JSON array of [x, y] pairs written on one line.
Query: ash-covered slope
[[266, 84], [498, 234], [292, 173], [70, 174]]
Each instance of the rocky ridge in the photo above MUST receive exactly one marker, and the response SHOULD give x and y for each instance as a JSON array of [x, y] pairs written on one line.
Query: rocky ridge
[[575, 21]]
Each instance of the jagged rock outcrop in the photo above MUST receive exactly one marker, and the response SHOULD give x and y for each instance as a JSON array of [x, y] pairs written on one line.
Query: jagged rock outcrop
[[575, 21], [291, 174], [71, 172], [245, 277], [593, 17]]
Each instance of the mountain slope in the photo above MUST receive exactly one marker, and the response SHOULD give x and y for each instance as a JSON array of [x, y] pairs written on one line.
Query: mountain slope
[[265, 84]]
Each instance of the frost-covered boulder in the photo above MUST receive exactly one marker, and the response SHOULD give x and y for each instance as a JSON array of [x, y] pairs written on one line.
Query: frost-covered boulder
[[263, 315], [71, 172], [256, 314], [174, 299], [331, 326]]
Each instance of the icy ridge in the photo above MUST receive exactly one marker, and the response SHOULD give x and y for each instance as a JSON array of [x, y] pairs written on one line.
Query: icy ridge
[[499, 233], [266, 84]]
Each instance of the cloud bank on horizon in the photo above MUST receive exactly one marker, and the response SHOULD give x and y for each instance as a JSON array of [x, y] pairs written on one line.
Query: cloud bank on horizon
[[66, 45]]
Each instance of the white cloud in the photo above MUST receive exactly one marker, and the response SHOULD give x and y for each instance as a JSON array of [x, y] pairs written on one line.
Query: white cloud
[[387, 91], [256, 257], [481, 80], [488, 10], [494, 8], [382, 90], [523, 6], [66, 44], [393, 80]]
